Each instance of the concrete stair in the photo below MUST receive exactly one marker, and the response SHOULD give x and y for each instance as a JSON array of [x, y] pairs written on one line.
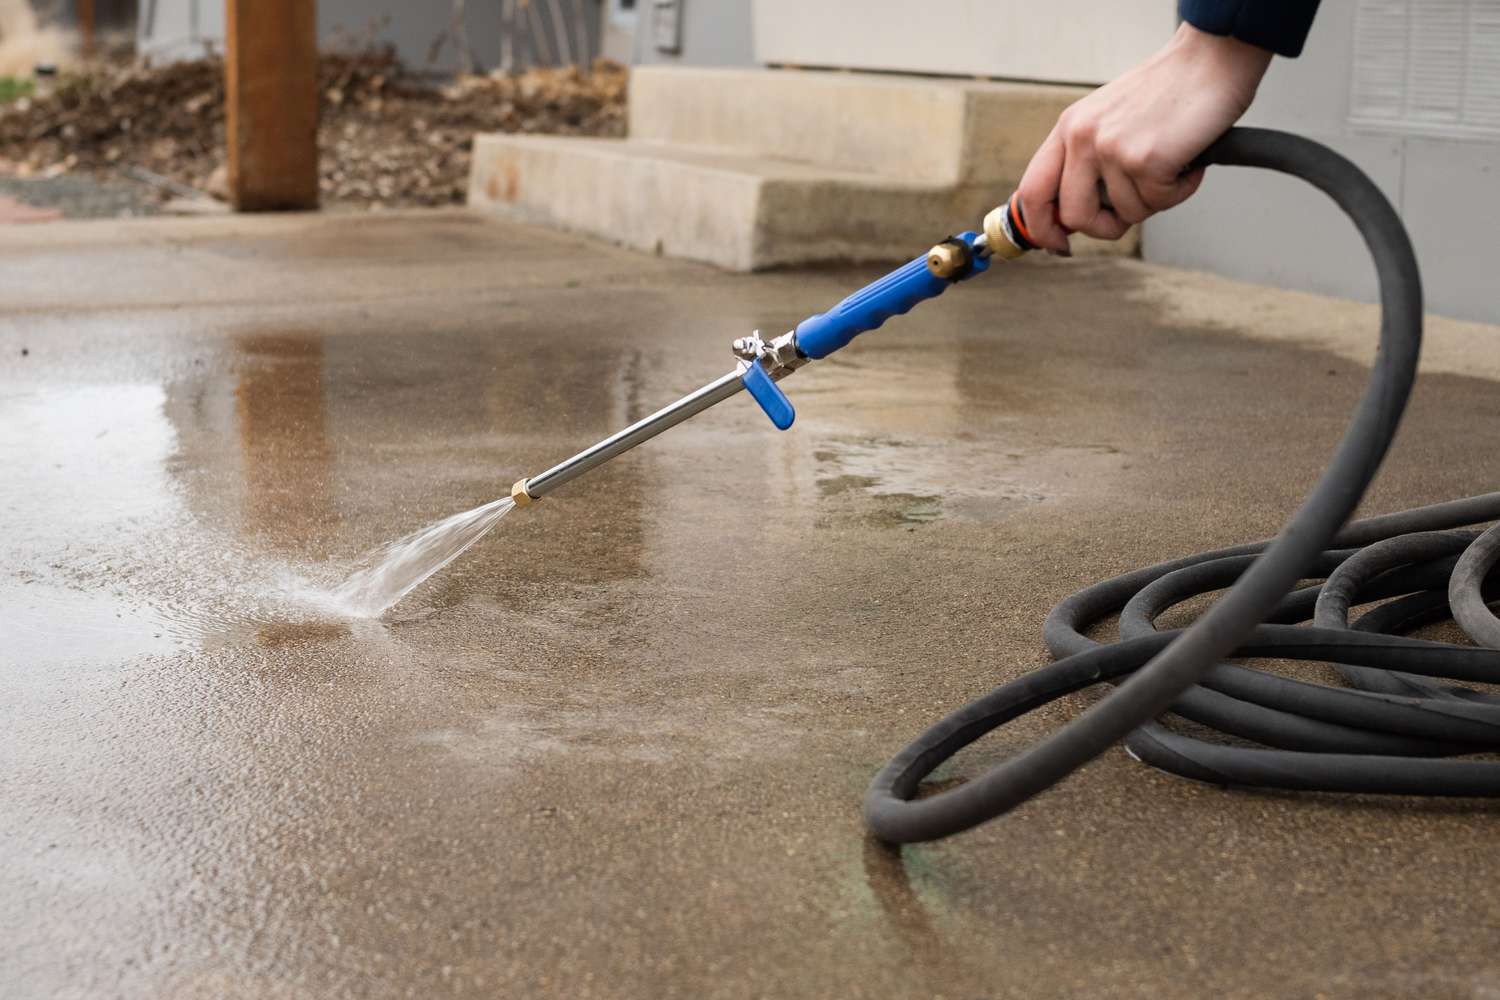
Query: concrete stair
[[750, 169]]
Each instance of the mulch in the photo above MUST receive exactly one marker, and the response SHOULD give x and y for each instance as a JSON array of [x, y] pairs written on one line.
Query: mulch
[[388, 137]]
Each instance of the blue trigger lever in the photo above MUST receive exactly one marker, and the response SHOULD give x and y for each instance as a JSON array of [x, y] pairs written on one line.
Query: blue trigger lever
[[764, 390]]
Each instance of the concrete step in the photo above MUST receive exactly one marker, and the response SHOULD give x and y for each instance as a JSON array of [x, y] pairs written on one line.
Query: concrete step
[[941, 131], [750, 169], [740, 212]]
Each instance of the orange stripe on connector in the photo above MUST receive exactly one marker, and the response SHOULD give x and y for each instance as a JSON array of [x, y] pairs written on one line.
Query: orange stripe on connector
[[1017, 220]]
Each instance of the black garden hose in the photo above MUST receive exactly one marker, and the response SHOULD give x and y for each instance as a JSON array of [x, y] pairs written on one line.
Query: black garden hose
[[1395, 729]]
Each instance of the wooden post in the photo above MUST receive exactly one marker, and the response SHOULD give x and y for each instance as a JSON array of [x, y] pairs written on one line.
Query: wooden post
[[85, 12], [271, 96]]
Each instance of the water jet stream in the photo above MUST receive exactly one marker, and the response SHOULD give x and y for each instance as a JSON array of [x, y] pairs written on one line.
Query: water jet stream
[[394, 570]]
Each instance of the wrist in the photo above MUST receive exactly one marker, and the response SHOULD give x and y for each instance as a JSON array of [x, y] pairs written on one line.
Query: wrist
[[1236, 65]]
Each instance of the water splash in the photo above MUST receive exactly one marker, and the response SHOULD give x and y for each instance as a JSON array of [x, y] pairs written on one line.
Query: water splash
[[392, 571]]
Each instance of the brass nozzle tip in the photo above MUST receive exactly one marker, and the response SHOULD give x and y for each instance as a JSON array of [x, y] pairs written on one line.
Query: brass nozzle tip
[[520, 496], [945, 260]]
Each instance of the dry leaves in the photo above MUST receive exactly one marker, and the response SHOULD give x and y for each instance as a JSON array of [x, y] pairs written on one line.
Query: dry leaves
[[387, 137]]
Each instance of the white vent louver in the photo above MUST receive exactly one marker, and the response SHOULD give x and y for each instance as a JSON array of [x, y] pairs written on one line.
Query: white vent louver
[[1429, 67]]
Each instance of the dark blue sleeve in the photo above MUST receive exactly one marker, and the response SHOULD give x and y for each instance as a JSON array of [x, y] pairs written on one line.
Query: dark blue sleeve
[[1278, 25]]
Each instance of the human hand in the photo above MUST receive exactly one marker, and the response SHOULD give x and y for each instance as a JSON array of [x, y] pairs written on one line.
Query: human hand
[[1134, 137]]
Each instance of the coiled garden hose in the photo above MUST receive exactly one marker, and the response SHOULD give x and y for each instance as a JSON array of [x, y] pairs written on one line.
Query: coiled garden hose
[[1397, 728]]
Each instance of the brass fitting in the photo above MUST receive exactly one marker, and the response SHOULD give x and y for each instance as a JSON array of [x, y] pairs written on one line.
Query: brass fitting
[[997, 232], [945, 261], [520, 496]]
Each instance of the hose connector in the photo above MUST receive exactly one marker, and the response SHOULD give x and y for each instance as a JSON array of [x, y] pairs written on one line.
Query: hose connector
[[519, 495], [1005, 230]]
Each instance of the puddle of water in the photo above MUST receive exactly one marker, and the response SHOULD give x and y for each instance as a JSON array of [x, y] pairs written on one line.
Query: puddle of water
[[103, 560], [168, 499], [82, 464], [41, 617], [89, 457]]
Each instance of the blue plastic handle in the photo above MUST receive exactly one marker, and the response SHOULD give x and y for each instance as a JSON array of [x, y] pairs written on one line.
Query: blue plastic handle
[[769, 395], [819, 336]]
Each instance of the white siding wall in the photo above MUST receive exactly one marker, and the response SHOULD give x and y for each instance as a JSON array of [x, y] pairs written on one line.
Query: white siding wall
[[1076, 41]]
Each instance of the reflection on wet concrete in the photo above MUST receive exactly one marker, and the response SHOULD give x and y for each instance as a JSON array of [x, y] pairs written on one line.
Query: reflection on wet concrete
[[342, 442], [283, 440]]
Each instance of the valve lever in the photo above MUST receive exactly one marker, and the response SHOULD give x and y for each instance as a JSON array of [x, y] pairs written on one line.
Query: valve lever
[[764, 390]]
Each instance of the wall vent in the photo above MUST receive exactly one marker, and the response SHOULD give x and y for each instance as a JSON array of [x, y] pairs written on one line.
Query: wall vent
[[1427, 67]]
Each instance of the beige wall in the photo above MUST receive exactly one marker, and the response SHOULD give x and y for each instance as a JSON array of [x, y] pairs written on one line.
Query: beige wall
[[1074, 41]]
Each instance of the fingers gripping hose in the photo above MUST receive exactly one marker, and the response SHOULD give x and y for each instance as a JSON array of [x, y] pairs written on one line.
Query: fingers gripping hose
[[1393, 731]]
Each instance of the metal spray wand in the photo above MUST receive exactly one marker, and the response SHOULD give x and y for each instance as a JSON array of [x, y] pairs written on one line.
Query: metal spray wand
[[762, 363]]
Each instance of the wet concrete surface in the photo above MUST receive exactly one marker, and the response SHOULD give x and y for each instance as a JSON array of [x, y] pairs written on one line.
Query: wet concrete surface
[[618, 749]]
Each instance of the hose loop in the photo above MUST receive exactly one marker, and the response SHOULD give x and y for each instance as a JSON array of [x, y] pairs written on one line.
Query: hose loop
[[1396, 730]]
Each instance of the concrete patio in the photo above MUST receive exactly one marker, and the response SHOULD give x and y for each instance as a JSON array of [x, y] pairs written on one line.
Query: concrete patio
[[618, 749]]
